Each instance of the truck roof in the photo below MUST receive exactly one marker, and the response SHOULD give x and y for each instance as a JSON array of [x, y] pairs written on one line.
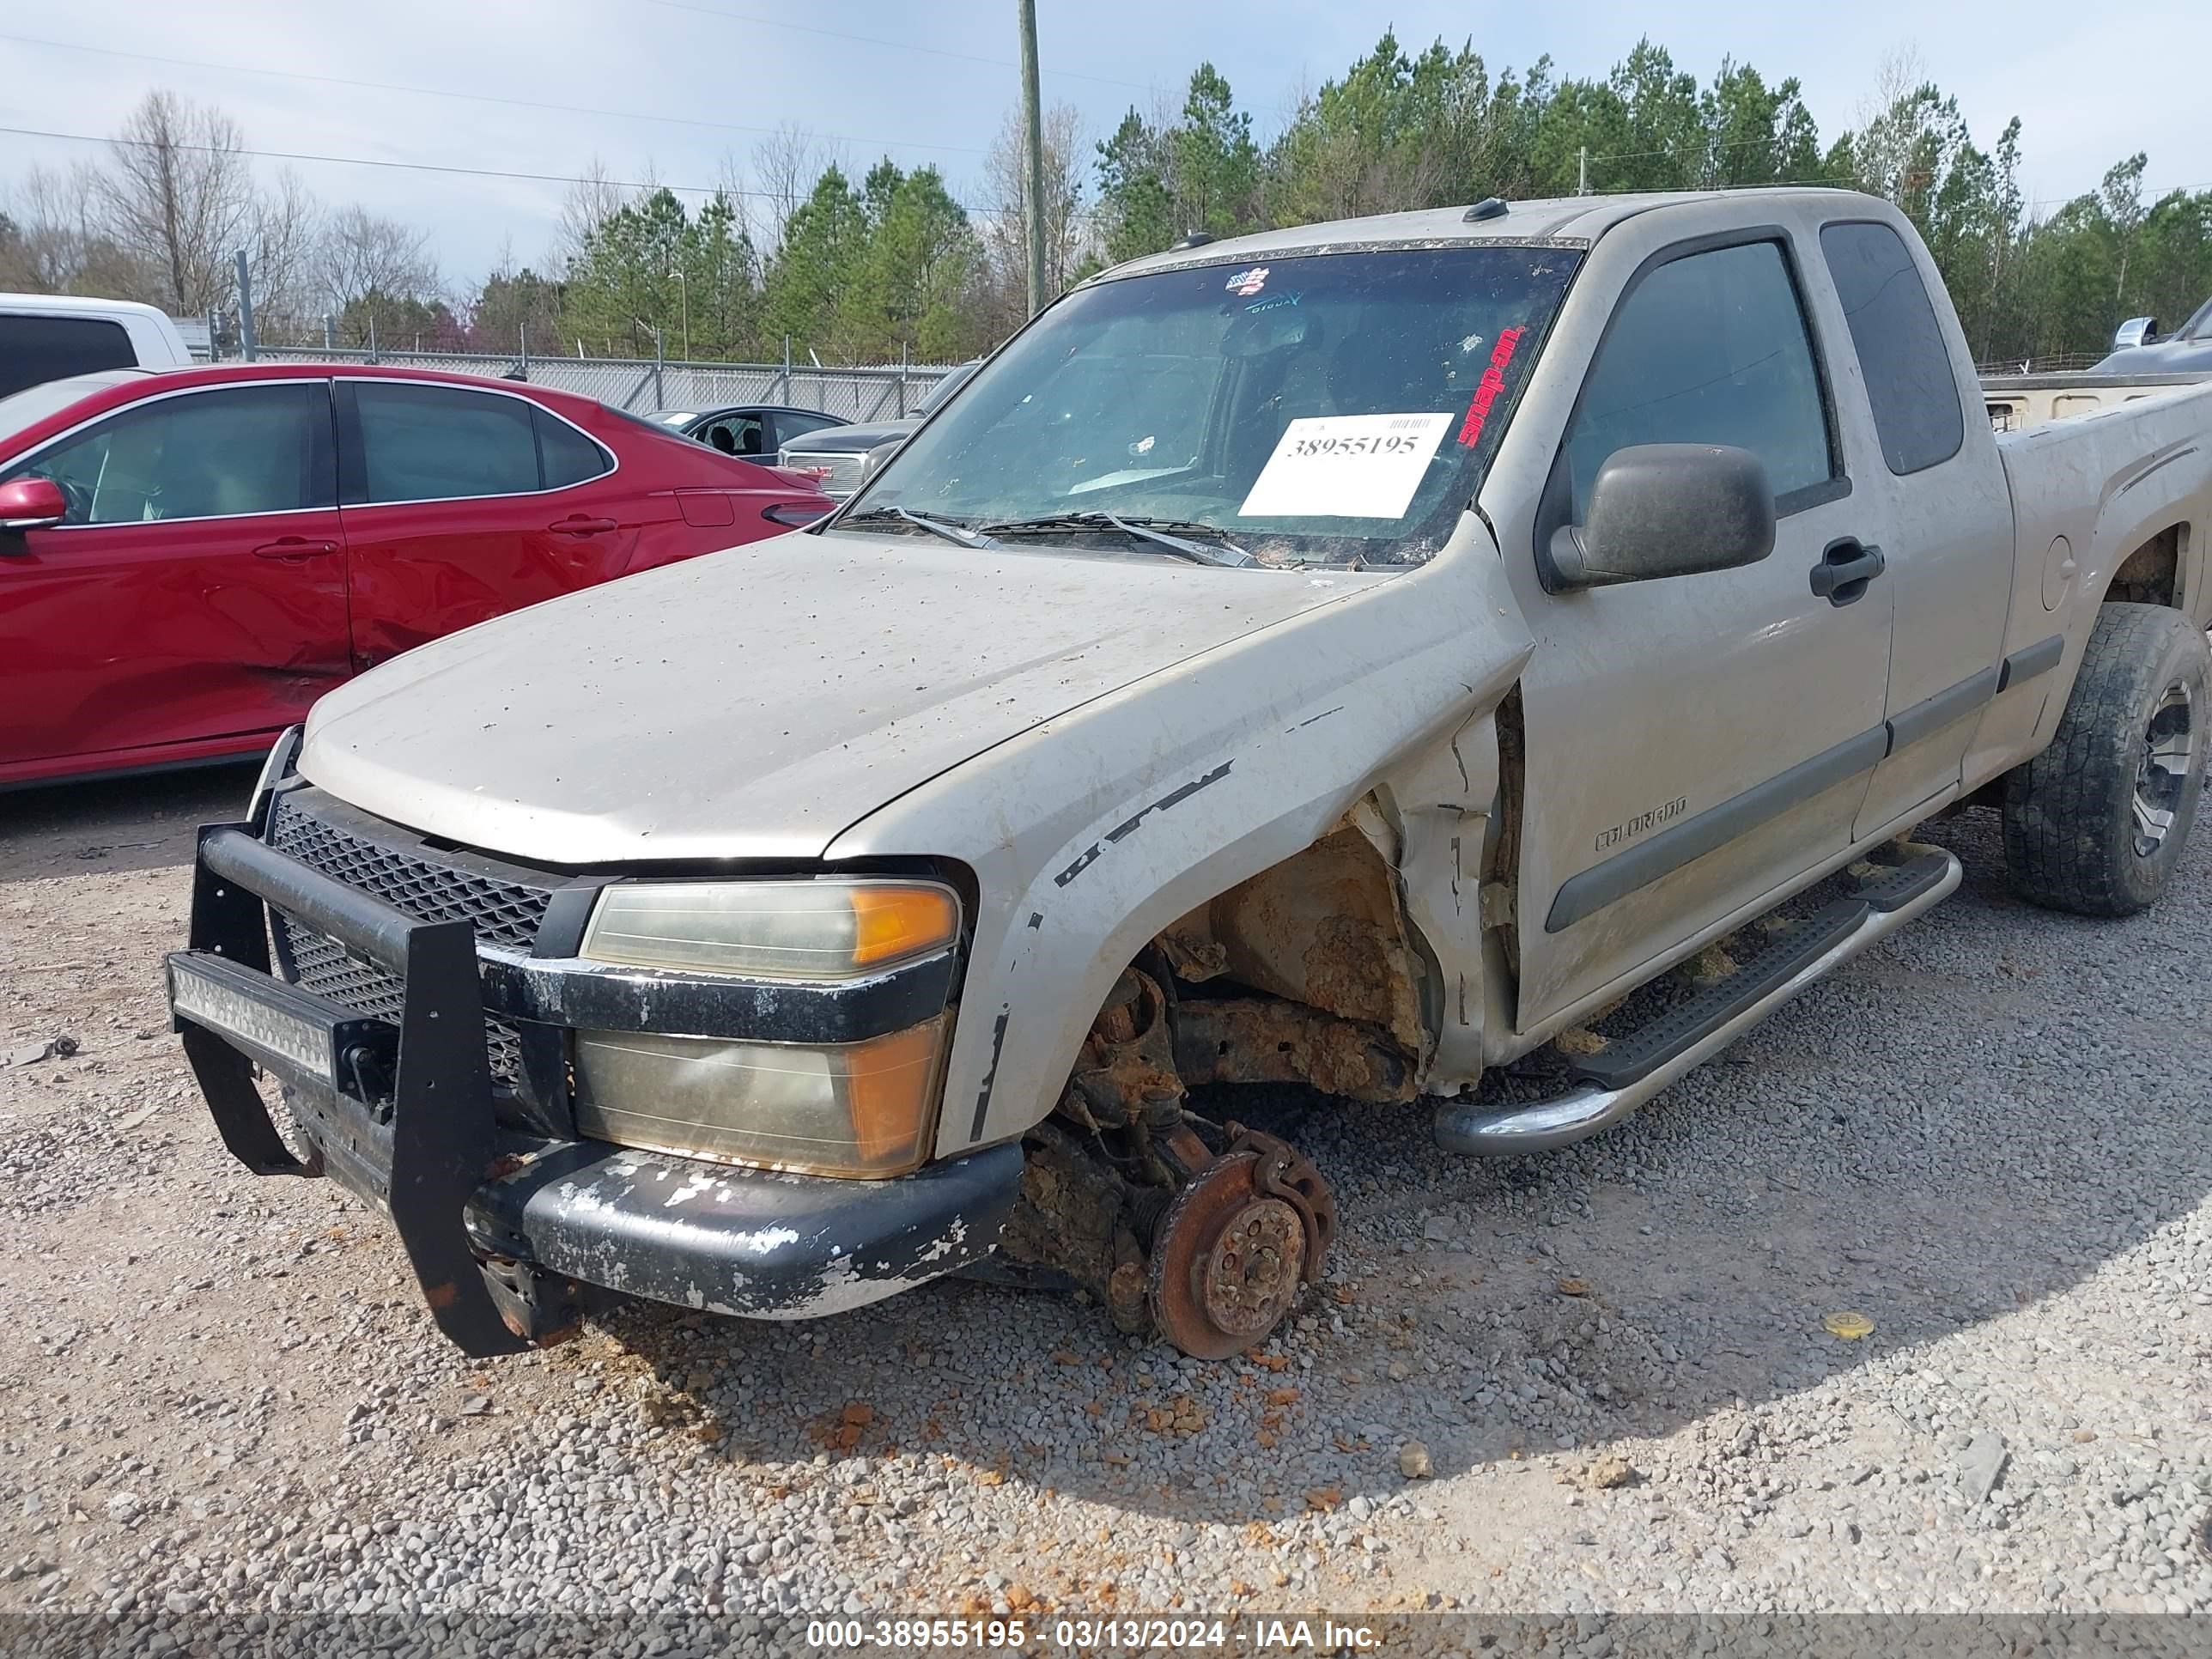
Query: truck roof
[[74, 305], [1570, 219]]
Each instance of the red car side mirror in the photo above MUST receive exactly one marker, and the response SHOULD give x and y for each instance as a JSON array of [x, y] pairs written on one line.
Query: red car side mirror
[[32, 504]]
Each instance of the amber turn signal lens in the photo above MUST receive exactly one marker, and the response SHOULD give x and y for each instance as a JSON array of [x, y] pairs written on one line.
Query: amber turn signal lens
[[888, 1093], [892, 923]]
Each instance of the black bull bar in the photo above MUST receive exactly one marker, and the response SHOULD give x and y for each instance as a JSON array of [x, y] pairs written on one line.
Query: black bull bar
[[507, 1229], [405, 1110]]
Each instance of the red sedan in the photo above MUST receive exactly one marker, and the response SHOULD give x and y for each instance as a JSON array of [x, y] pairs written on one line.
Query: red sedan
[[188, 560]]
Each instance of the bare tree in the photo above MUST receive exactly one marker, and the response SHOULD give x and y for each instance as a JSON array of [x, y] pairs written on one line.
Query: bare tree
[[1068, 239], [288, 230], [591, 201], [361, 253], [787, 163], [1890, 121], [53, 241], [178, 194], [729, 180]]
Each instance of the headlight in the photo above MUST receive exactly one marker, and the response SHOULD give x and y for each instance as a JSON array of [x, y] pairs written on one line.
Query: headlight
[[771, 929], [857, 1109], [862, 1109]]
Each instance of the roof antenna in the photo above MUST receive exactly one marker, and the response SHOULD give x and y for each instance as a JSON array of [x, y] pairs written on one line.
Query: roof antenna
[[1192, 238], [1490, 207]]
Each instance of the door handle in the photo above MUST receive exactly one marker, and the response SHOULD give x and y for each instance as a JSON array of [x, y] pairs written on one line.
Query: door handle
[[294, 549], [580, 525], [1846, 568]]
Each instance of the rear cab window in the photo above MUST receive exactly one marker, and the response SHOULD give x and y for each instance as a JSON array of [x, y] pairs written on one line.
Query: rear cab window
[[1903, 356], [35, 350]]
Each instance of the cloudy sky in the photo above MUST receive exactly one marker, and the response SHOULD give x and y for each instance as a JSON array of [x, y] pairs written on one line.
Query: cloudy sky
[[674, 86]]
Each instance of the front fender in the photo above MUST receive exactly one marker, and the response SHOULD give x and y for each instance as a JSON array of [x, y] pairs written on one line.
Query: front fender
[[1091, 833]]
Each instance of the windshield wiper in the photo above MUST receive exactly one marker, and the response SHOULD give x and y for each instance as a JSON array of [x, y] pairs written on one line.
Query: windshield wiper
[[1159, 532], [959, 534]]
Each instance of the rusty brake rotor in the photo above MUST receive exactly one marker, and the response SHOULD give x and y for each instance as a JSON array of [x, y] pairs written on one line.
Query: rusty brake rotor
[[1226, 1261]]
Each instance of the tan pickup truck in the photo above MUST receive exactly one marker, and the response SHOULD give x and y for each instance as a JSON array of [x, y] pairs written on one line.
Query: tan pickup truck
[[1494, 656]]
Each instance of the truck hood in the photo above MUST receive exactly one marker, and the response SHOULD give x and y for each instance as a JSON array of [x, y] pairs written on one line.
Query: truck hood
[[849, 440], [754, 702]]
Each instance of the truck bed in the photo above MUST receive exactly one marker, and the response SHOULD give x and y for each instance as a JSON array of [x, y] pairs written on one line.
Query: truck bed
[[2020, 403]]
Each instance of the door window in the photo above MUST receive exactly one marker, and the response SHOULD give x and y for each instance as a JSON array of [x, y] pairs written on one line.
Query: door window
[[436, 443], [35, 350], [1903, 354], [737, 434], [789, 425], [205, 455], [566, 455], [1711, 348]]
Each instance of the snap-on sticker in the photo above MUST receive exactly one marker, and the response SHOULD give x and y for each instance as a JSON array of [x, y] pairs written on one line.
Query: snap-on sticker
[[1486, 391], [1347, 466], [1247, 283]]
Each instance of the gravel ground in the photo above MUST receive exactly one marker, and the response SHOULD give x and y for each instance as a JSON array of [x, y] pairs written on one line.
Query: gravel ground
[[1597, 1381]]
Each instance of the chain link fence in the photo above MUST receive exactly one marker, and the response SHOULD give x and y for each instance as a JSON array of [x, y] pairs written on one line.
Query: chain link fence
[[646, 386], [2057, 362]]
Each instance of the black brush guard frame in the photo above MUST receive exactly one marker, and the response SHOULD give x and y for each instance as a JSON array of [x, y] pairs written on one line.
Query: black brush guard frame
[[438, 1123]]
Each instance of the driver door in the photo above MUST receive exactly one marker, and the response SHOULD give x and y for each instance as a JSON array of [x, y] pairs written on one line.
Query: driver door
[[196, 590], [1694, 743]]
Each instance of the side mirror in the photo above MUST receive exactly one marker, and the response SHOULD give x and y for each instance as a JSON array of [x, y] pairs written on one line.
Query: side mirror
[[31, 504], [1666, 510], [2135, 331]]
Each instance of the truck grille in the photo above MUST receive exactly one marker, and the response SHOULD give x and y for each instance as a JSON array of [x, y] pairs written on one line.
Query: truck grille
[[503, 912], [840, 471]]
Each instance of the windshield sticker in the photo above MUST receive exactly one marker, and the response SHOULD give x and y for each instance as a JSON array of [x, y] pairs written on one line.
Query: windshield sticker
[[1485, 392], [1275, 302], [1247, 283], [1346, 466]]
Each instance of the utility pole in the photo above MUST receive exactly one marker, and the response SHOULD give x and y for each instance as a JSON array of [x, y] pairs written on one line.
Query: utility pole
[[684, 288], [245, 341], [1581, 171], [1032, 155]]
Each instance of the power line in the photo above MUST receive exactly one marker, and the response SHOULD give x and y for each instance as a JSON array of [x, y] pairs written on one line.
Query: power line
[[877, 40], [424, 167], [469, 97]]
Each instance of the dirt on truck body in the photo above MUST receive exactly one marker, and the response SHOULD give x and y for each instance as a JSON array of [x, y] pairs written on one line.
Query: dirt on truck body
[[1387, 657]]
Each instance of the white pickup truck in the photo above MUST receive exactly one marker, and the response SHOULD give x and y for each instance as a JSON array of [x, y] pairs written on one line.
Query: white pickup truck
[[56, 337], [1495, 656]]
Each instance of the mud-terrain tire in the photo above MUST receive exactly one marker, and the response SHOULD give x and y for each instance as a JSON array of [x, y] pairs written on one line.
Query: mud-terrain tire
[[2096, 823]]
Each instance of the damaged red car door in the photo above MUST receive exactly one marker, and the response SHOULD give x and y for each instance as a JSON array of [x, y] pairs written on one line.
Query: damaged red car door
[[193, 594], [463, 503]]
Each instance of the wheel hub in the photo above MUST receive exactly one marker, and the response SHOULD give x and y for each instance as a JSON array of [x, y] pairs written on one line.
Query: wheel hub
[[1247, 1281], [1226, 1261], [2168, 761]]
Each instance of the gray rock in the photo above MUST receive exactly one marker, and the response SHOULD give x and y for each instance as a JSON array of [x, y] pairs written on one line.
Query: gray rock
[[1981, 1464]]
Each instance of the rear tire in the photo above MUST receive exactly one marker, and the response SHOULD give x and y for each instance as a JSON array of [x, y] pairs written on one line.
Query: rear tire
[[2096, 823]]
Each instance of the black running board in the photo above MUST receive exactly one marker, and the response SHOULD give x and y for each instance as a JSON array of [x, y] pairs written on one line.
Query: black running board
[[1633, 1058], [1613, 1082]]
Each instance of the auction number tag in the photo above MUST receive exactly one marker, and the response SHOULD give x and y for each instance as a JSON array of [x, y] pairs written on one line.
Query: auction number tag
[[1346, 466]]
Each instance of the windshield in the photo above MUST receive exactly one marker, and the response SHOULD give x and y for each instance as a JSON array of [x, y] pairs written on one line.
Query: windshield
[[1335, 408]]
